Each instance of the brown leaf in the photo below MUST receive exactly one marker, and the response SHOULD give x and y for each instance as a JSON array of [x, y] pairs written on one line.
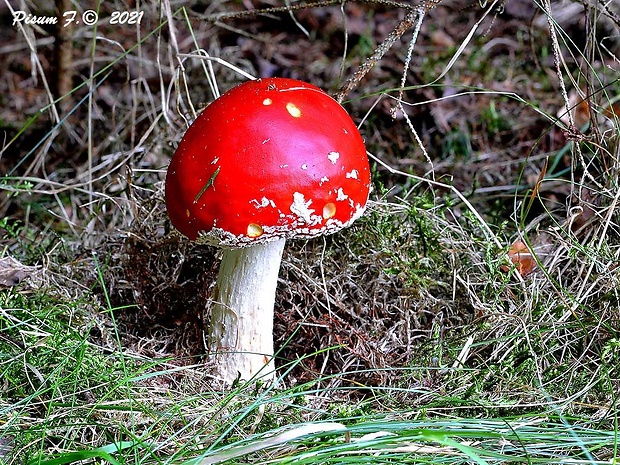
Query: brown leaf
[[613, 111], [526, 257], [442, 39], [578, 107], [520, 255], [12, 272]]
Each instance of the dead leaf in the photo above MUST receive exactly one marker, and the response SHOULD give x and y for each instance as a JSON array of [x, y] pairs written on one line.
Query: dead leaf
[[12, 272], [612, 111], [520, 255], [526, 257], [442, 39], [580, 109]]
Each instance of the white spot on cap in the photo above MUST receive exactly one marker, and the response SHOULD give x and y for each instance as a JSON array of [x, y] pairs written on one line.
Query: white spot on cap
[[333, 157], [352, 175], [304, 167], [264, 202], [341, 195], [293, 109], [215, 160], [323, 180], [266, 140], [301, 207], [267, 101], [283, 166]]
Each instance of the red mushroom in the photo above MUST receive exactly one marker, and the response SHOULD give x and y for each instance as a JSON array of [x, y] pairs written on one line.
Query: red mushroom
[[270, 159]]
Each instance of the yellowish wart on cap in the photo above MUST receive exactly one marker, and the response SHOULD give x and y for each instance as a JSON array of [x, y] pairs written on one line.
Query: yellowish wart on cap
[[267, 101], [187, 213], [329, 210], [254, 230], [293, 110]]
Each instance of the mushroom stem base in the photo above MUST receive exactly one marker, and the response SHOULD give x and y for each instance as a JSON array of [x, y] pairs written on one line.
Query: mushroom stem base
[[241, 329]]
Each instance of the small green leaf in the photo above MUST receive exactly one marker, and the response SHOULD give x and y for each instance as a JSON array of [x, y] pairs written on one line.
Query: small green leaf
[[103, 453]]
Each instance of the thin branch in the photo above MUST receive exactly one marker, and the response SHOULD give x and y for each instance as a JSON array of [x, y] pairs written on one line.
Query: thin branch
[[302, 6], [406, 23]]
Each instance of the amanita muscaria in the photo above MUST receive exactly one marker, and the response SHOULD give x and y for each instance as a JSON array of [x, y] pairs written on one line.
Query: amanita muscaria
[[271, 159]]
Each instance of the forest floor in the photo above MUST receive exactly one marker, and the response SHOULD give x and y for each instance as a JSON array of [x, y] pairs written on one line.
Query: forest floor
[[479, 290]]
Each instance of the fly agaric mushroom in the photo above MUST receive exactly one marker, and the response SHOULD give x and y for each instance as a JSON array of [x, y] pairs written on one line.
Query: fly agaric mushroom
[[270, 159]]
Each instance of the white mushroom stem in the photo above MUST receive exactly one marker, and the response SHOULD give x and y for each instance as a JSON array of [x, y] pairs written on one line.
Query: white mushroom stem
[[241, 332]]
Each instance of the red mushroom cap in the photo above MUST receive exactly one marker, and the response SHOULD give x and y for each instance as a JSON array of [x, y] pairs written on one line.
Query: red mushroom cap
[[271, 158]]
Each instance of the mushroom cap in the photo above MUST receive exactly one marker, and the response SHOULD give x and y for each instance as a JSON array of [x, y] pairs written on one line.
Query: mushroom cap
[[271, 158]]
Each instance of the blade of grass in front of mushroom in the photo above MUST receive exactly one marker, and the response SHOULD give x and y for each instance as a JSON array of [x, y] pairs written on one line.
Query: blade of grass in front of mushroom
[[207, 185]]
